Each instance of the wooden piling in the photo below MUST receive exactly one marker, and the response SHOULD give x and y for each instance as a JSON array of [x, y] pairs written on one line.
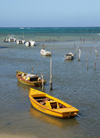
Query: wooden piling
[[51, 73], [32, 69], [87, 62], [90, 50], [76, 51], [42, 81], [93, 40], [95, 66], [96, 51], [79, 54]]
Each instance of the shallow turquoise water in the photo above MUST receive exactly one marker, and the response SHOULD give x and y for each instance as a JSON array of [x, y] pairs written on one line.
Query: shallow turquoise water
[[72, 83]]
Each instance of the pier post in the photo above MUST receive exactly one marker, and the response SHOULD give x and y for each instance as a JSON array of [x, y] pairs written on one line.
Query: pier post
[[42, 81], [96, 51], [95, 66], [51, 73], [76, 51], [87, 62], [79, 54], [90, 50], [32, 69]]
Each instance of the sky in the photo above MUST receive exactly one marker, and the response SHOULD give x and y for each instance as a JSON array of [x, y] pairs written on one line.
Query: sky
[[49, 13]]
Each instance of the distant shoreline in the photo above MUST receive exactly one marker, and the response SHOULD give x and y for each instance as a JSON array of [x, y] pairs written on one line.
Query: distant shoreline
[[54, 27]]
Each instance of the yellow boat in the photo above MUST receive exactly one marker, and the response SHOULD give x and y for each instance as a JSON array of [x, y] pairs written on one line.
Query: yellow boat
[[51, 105], [29, 79]]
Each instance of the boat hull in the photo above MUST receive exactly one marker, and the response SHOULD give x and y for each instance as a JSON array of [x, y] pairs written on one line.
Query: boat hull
[[34, 84], [52, 113], [66, 112], [30, 43], [20, 41], [29, 83], [69, 57]]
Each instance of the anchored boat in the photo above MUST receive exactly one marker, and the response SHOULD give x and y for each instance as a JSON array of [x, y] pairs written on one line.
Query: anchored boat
[[51, 105], [44, 52], [30, 43], [29, 79], [20, 41], [69, 56]]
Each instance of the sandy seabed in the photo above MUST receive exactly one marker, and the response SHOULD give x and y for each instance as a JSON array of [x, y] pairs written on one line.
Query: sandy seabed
[[15, 136]]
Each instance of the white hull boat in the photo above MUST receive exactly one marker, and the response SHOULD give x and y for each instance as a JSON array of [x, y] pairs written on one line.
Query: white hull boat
[[12, 39], [45, 53], [20, 41], [30, 43], [69, 56]]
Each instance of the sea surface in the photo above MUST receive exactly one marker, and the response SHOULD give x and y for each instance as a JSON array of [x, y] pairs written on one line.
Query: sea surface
[[75, 82]]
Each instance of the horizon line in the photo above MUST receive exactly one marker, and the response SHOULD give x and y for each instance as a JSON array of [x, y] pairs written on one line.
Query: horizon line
[[54, 27]]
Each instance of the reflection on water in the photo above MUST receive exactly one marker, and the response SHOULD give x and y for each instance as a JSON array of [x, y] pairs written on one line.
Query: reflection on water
[[52, 120], [23, 87]]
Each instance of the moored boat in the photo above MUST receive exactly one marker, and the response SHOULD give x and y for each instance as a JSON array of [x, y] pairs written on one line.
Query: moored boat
[[51, 105], [20, 41], [30, 43], [12, 39], [6, 40], [29, 79], [69, 56], [44, 52]]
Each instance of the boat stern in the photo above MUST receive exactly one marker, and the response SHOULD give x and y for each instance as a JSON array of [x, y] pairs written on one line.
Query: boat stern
[[68, 112]]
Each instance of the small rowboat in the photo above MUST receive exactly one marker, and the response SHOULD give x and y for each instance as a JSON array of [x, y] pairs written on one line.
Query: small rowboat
[[29, 79], [51, 105]]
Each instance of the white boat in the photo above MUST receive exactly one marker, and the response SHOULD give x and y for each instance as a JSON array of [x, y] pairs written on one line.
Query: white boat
[[12, 39], [20, 41], [30, 43], [69, 56], [6, 40], [43, 52]]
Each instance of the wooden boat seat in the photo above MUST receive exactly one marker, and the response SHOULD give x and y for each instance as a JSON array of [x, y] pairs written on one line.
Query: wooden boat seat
[[42, 100], [61, 106], [53, 105]]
